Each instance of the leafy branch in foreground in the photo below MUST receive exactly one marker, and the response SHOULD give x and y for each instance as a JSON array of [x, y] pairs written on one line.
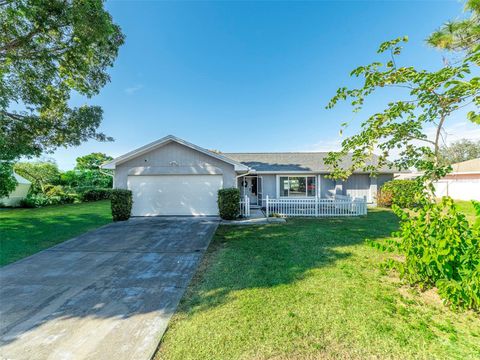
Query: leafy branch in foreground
[[432, 98]]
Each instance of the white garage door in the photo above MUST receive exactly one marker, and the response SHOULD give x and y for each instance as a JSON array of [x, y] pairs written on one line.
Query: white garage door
[[175, 194]]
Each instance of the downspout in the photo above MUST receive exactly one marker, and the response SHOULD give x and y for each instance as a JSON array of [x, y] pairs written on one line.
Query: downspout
[[105, 173]]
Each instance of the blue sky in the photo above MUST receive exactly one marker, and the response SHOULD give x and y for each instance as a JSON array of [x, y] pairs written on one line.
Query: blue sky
[[250, 76]]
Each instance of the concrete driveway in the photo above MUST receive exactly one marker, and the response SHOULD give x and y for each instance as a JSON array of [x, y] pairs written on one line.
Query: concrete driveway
[[107, 294]]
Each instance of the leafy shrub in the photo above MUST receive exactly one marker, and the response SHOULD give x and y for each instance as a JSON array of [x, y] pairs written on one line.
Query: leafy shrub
[[384, 198], [86, 178], [121, 204], [96, 194], [403, 193], [39, 200], [229, 203], [441, 249]]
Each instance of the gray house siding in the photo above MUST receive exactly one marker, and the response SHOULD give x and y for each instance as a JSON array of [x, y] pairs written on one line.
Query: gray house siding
[[357, 186], [173, 152], [383, 178], [327, 187], [269, 186]]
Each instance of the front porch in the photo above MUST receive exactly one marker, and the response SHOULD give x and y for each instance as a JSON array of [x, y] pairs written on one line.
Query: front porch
[[296, 196]]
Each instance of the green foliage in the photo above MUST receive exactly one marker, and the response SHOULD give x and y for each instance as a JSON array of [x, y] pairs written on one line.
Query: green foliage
[[441, 249], [48, 49], [440, 246], [121, 204], [458, 151], [92, 161], [229, 203], [40, 174], [41, 200], [403, 193], [459, 35], [96, 194], [86, 178], [429, 99], [7, 181]]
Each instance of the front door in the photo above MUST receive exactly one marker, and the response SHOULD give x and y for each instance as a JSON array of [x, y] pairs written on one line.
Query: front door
[[250, 188]]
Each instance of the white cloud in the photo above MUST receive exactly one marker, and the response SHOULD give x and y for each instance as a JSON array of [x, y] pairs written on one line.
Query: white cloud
[[133, 89]]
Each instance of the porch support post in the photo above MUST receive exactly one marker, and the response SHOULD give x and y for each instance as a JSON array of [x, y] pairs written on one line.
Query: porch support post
[[373, 190], [266, 206]]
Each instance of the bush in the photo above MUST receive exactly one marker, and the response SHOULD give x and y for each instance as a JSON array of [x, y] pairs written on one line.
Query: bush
[[229, 203], [96, 194], [39, 200], [403, 193], [441, 249], [121, 204]]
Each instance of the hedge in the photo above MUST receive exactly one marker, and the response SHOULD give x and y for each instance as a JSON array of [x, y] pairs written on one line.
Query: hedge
[[96, 194], [229, 203], [121, 204]]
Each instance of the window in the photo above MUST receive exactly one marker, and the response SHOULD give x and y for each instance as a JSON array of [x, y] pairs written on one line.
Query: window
[[297, 186]]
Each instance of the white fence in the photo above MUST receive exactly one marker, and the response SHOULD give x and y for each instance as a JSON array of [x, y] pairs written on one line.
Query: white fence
[[315, 207], [245, 206]]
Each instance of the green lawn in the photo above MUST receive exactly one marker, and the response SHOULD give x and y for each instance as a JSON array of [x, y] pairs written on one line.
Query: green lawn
[[24, 232], [311, 289], [467, 208]]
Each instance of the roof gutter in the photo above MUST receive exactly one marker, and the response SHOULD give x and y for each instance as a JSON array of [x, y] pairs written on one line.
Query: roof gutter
[[242, 175]]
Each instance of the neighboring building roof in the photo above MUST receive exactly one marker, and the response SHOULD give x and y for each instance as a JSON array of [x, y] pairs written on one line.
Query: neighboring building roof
[[469, 166], [20, 179], [165, 140], [293, 162]]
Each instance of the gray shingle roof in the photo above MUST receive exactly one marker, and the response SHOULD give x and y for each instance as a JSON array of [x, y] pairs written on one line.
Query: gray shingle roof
[[291, 161]]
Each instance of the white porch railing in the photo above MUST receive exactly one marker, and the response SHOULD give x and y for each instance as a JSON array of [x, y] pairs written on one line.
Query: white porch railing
[[245, 206], [315, 207]]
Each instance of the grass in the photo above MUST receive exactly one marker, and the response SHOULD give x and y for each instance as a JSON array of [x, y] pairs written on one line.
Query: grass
[[24, 232], [467, 208], [311, 289]]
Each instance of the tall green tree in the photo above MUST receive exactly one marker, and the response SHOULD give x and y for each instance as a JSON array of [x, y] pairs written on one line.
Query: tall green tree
[[47, 50], [459, 35], [39, 173], [461, 150], [92, 161]]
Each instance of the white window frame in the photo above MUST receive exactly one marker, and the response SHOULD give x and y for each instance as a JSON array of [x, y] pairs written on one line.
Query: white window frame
[[278, 176]]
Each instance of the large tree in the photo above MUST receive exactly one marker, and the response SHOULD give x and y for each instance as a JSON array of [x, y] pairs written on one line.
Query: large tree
[[461, 150], [39, 173], [92, 161], [48, 49]]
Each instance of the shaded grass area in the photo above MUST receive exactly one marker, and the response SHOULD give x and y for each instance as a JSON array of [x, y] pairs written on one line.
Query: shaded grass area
[[311, 289], [24, 232]]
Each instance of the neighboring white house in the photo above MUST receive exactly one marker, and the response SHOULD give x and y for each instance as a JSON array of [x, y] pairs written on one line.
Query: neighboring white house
[[19, 193], [174, 177], [463, 183]]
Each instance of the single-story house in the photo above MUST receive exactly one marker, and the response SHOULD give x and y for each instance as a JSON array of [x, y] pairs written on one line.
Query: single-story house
[[20, 192], [463, 183], [171, 176]]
